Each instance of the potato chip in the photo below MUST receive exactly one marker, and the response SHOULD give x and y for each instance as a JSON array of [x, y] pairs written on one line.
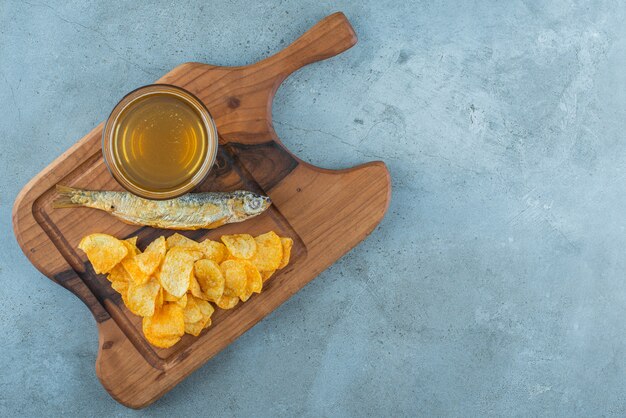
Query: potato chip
[[167, 297], [151, 258], [103, 251], [196, 328], [158, 304], [162, 342], [234, 276], [206, 322], [269, 251], [213, 250], [166, 322], [229, 256], [194, 287], [227, 302], [165, 327], [133, 245], [287, 245], [267, 274], [246, 295], [129, 262], [124, 298], [178, 240], [118, 273], [197, 315], [254, 282], [132, 249], [205, 307], [120, 286], [210, 278], [158, 246], [137, 276], [192, 312], [157, 273], [240, 245], [171, 282], [142, 298], [176, 268], [182, 302]]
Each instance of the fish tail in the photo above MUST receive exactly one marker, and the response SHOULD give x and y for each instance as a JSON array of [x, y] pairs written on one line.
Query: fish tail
[[64, 200]]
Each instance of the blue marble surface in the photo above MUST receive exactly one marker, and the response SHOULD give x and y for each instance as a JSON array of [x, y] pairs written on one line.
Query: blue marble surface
[[494, 286]]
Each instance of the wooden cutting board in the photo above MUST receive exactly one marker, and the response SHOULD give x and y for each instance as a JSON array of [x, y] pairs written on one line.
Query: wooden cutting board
[[326, 212]]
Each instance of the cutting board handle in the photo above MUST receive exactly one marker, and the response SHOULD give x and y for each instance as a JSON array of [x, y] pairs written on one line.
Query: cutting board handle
[[327, 38]]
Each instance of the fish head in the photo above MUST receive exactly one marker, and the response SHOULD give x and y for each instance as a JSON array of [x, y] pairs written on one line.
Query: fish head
[[249, 204]]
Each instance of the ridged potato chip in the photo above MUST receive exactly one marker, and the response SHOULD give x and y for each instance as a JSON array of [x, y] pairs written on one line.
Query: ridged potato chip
[[142, 298], [254, 282], [205, 307], [176, 269], [120, 286], [182, 302], [192, 312], [178, 240], [132, 245], [118, 273], [197, 315], [194, 287], [158, 304], [269, 251], [137, 276], [240, 245], [287, 245], [267, 274], [130, 262], [196, 328], [210, 278], [246, 295], [162, 342], [171, 282], [103, 251], [213, 250], [227, 302], [151, 258], [167, 297], [165, 327], [235, 279]]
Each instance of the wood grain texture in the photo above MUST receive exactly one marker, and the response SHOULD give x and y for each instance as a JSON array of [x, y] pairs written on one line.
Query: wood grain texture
[[327, 212]]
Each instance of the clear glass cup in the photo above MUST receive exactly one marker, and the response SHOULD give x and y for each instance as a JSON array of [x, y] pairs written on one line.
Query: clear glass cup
[[118, 137]]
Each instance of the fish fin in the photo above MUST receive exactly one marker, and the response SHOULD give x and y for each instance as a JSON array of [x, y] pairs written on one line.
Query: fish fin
[[65, 197], [217, 223]]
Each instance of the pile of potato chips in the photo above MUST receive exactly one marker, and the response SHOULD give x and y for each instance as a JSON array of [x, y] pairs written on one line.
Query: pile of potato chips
[[172, 282]]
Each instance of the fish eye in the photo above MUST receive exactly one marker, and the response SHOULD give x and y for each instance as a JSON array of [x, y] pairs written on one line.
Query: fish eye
[[252, 203]]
